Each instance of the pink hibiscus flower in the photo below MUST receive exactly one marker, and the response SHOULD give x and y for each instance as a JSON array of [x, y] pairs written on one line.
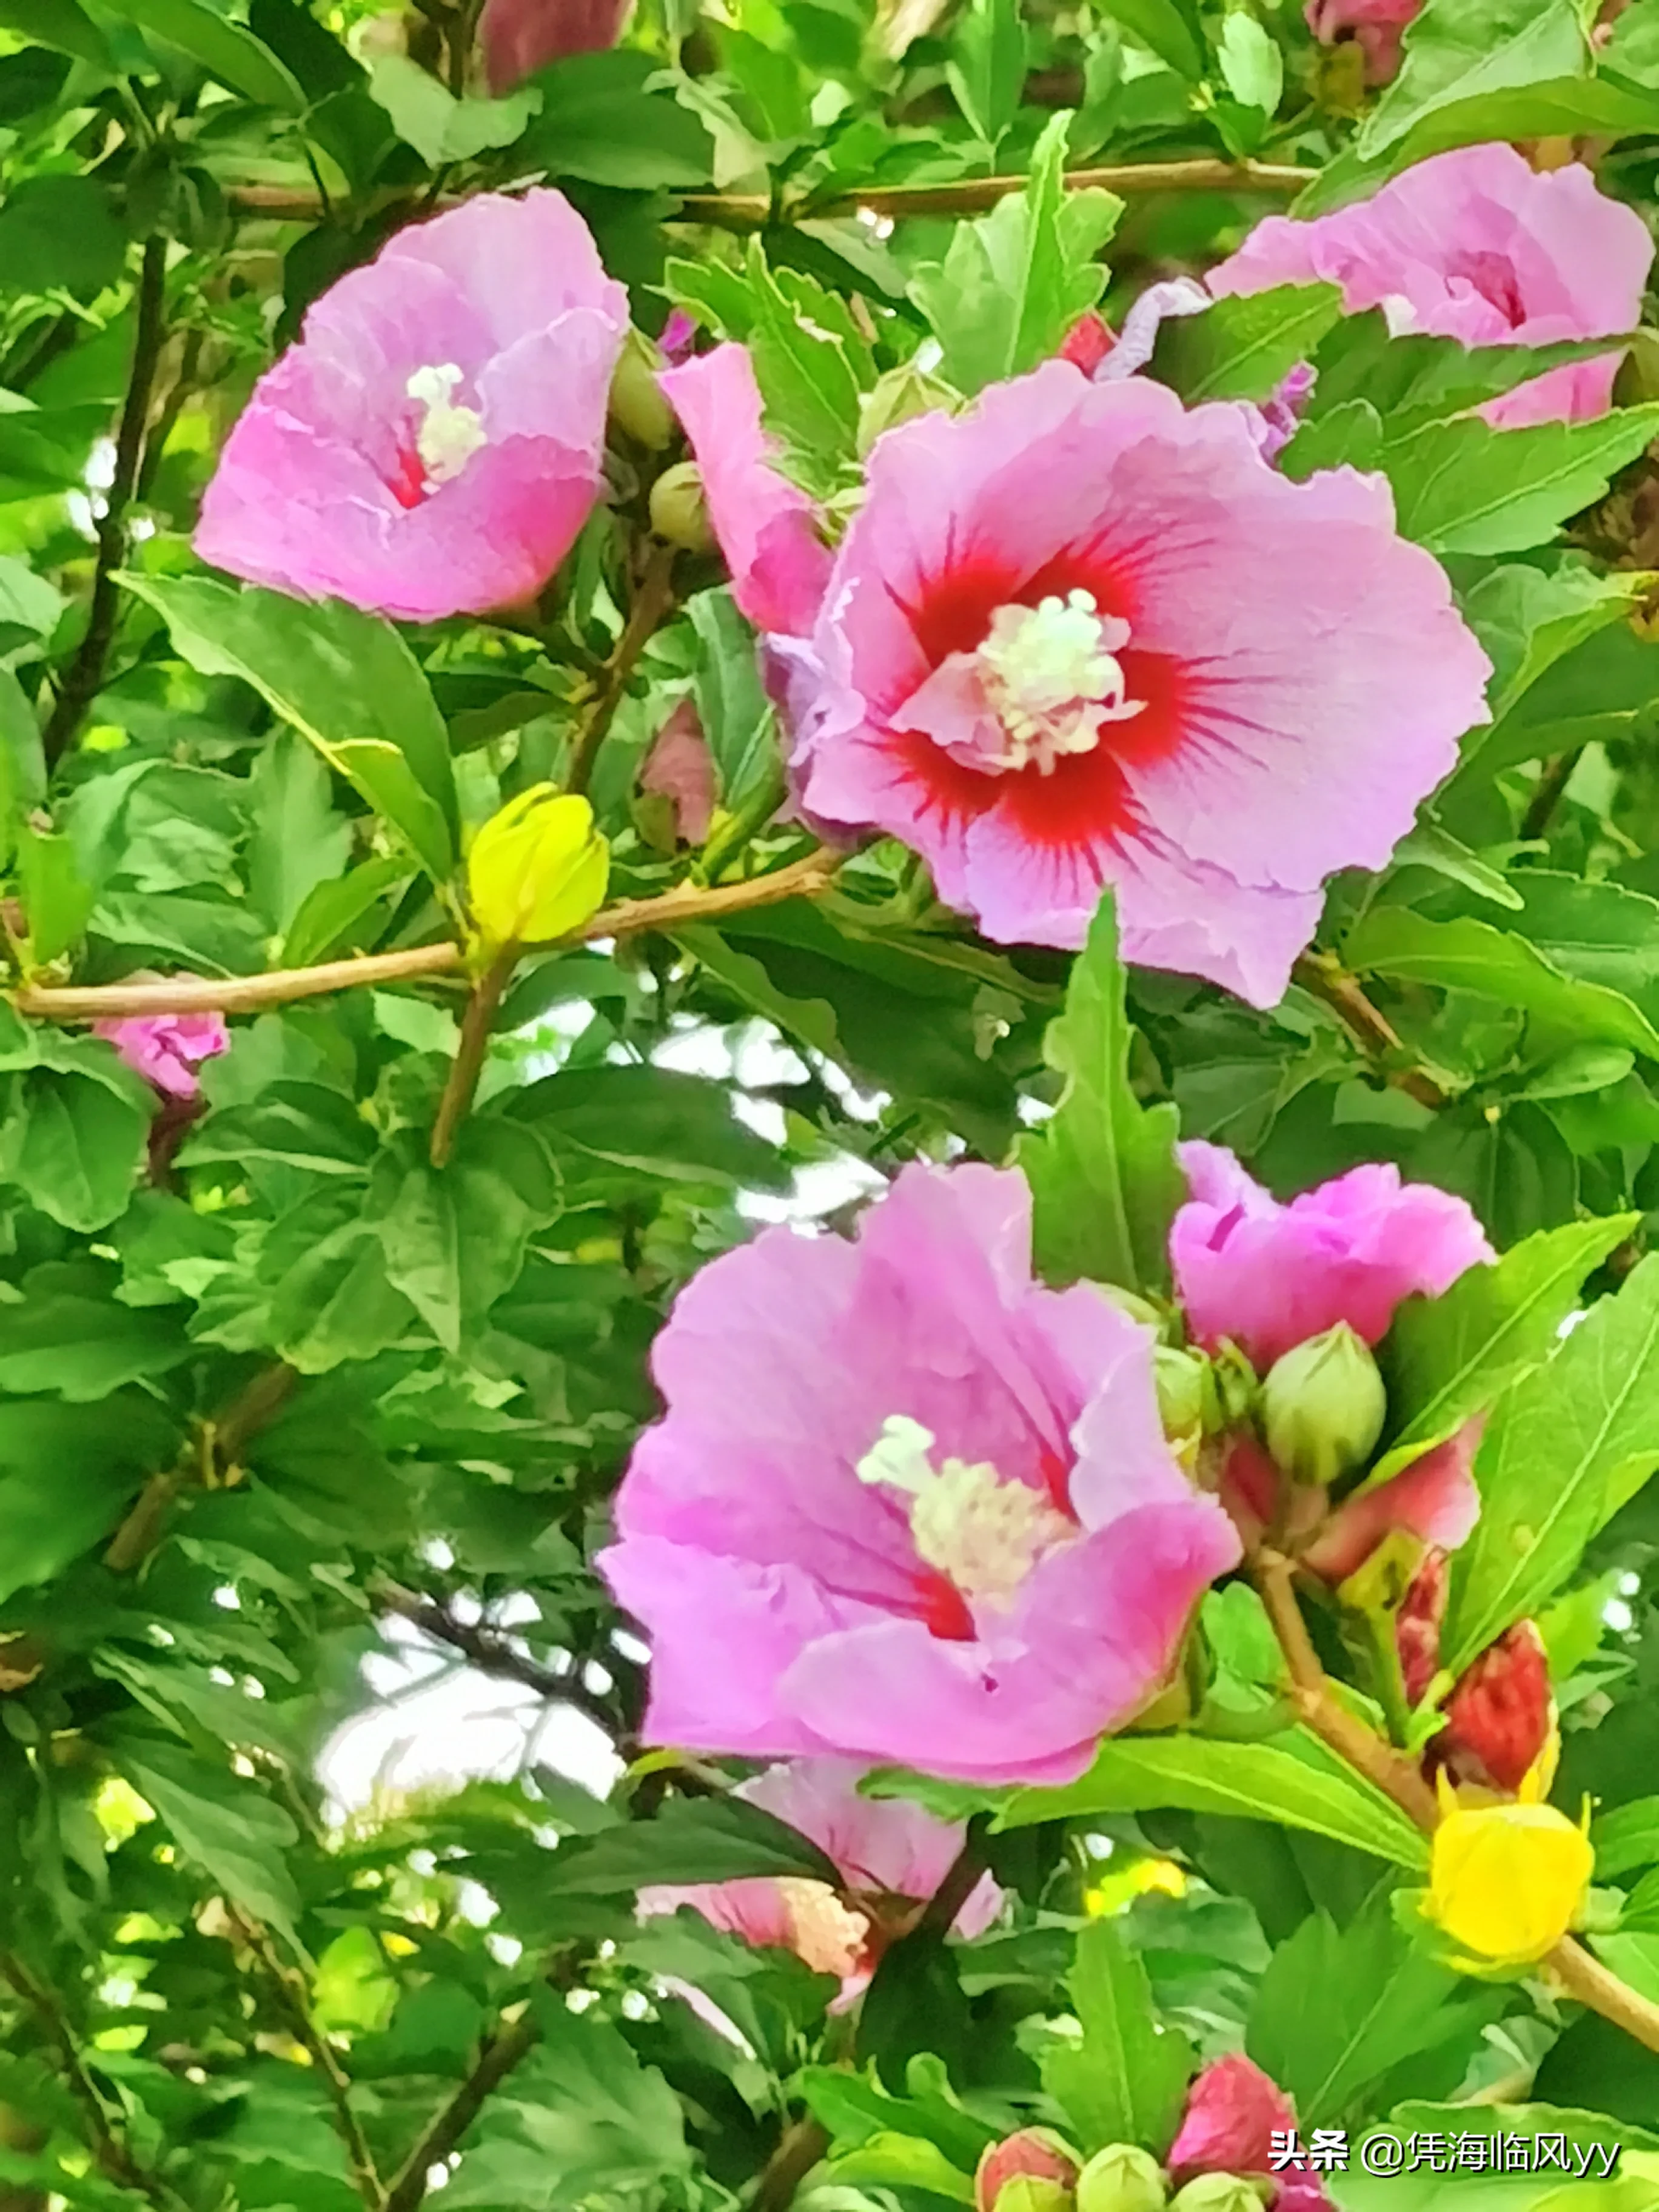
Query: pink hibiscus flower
[[167, 1050], [907, 1505], [766, 526], [1477, 245], [518, 37], [1376, 27], [433, 444], [1079, 636], [1270, 1276], [892, 1857]]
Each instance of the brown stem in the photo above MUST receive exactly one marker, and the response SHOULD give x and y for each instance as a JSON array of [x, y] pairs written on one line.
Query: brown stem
[[109, 2146], [1546, 793], [966, 195], [653, 598], [292, 1996], [973, 195], [214, 1449], [1318, 1707], [85, 674], [800, 2147], [1595, 1985], [498, 2054], [1323, 975], [249, 994], [491, 1654], [468, 1063]]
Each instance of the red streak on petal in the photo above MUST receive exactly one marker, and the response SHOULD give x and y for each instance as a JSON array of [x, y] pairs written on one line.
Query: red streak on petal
[[408, 485], [944, 1609]]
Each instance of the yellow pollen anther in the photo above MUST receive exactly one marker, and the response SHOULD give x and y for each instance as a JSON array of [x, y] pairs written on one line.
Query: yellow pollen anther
[[447, 436], [983, 1532], [1051, 678]]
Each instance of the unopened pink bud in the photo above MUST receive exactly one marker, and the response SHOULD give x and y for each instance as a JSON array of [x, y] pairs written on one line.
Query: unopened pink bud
[[519, 37], [1034, 2155], [1087, 343]]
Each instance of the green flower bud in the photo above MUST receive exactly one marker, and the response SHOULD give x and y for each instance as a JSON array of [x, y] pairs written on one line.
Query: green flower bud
[[1131, 1303], [679, 513], [1323, 1407], [1217, 2192], [1184, 1394], [638, 404], [1121, 2179], [899, 397], [1029, 2192]]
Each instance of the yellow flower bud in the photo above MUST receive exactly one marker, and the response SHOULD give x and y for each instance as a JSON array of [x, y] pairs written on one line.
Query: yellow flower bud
[[1507, 1881], [1121, 2179], [537, 869]]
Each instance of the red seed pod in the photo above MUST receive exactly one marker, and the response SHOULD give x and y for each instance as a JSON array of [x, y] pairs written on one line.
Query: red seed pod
[[1417, 1624], [1500, 1717]]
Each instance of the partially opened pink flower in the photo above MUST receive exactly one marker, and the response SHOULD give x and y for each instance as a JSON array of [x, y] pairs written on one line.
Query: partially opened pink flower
[[1478, 246], [518, 37], [1079, 636], [1375, 25], [766, 526], [907, 1505], [167, 1050], [892, 1855], [432, 445], [1233, 2110], [1269, 1275]]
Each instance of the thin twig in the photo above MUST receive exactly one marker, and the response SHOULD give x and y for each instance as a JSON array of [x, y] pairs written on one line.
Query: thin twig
[[292, 1996], [1323, 975], [85, 675], [247, 994], [498, 2054], [653, 598], [800, 2147], [462, 1082], [1546, 793], [109, 2146], [213, 1449], [965, 196], [492, 1653]]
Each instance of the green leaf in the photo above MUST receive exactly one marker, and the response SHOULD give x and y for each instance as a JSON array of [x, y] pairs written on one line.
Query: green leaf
[[1566, 1446], [232, 1830], [58, 901], [1105, 1182], [73, 1136], [1445, 1359], [64, 25], [335, 915], [1127, 2081], [353, 1990], [98, 1456], [1474, 956], [440, 127], [1252, 66], [738, 719], [60, 234], [30, 607], [67, 1337], [896, 2161], [600, 123], [986, 70], [298, 841], [1243, 346], [692, 1839], [1626, 1838], [1304, 1788], [1416, 379], [226, 50], [345, 680], [1466, 49], [1463, 487], [1012, 284], [855, 2108], [1168, 28], [580, 2120], [649, 1120], [455, 1237], [1338, 2008], [1528, 619]]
